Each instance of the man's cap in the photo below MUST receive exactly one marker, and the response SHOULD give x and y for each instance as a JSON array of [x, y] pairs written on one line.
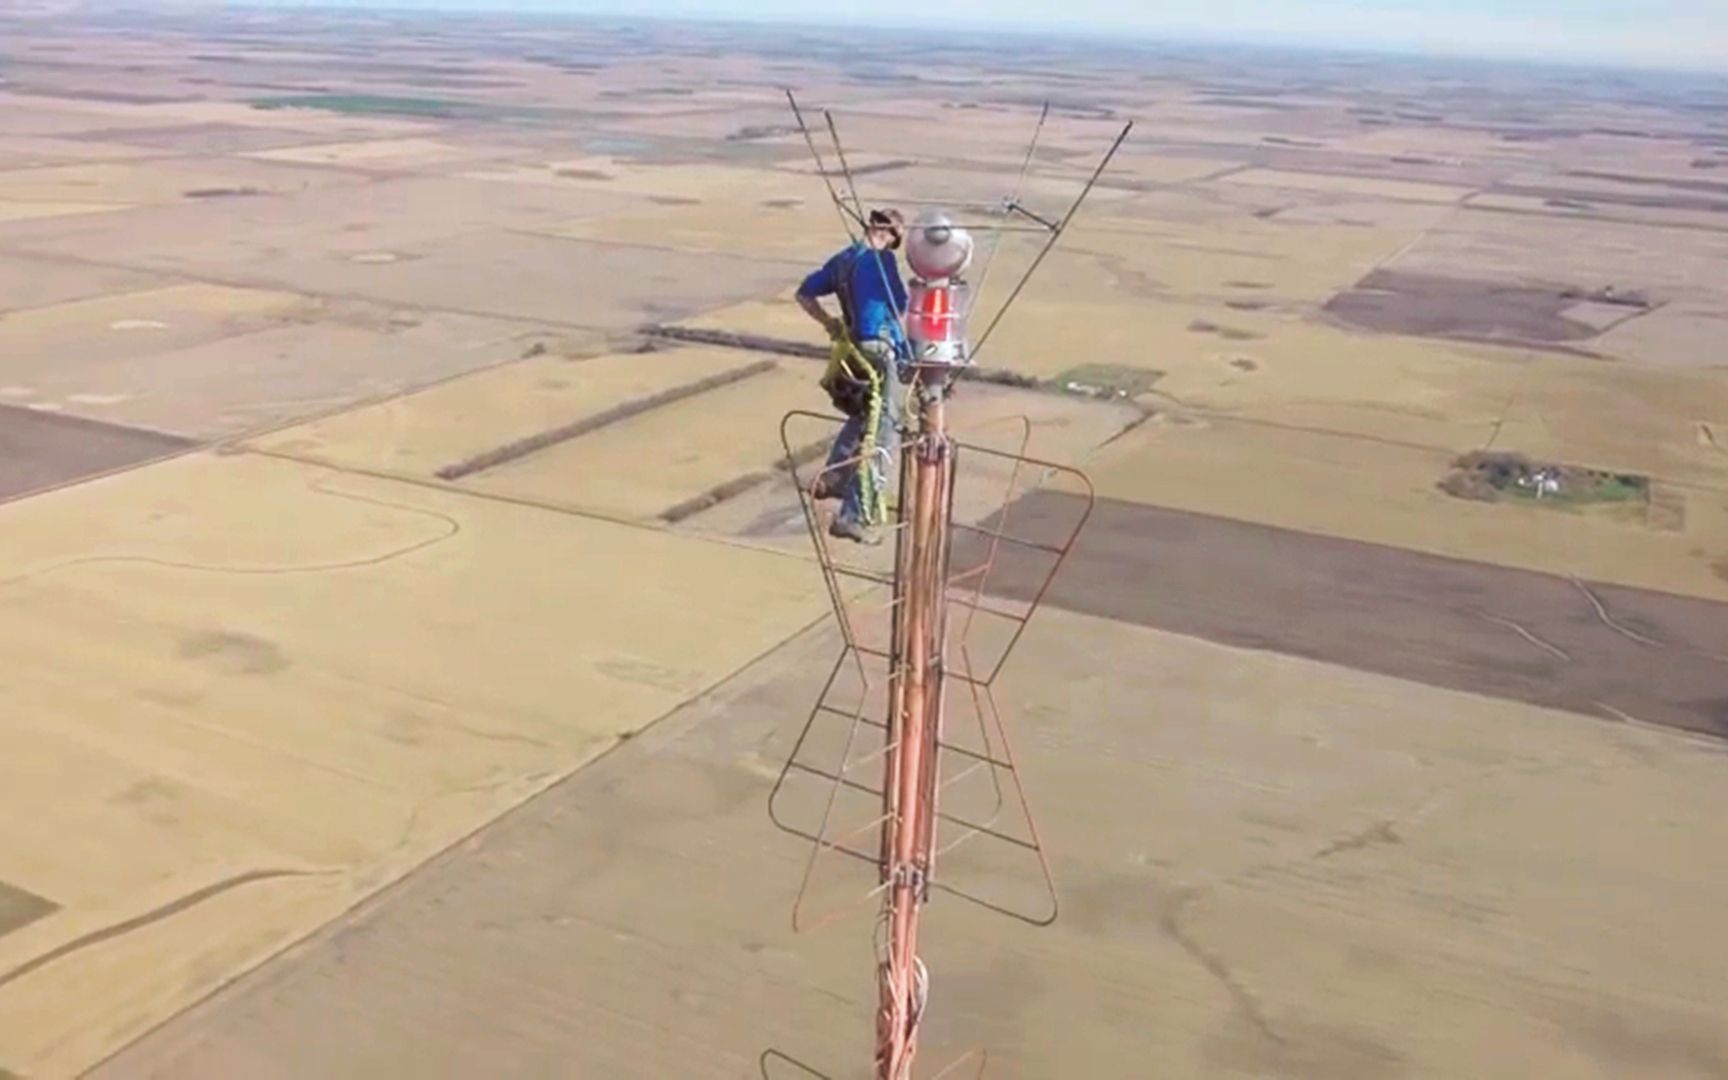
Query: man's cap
[[890, 219]]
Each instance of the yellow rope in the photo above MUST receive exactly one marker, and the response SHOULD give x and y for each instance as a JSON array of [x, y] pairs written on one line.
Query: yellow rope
[[845, 359]]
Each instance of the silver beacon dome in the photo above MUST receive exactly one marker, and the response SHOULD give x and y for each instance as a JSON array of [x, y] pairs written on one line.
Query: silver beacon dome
[[936, 248]]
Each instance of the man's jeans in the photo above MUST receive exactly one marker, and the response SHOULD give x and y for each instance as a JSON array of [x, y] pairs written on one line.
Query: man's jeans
[[848, 443]]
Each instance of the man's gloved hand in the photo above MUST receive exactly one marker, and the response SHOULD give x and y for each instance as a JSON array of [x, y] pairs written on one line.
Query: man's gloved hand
[[836, 329]]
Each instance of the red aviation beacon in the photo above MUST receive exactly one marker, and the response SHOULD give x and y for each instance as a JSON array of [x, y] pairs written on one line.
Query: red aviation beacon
[[938, 299]]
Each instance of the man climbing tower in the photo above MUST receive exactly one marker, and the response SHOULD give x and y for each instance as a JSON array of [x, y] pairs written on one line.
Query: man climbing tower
[[865, 372]]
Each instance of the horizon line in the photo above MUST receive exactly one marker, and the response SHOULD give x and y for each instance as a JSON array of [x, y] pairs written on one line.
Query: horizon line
[[1122, 37]]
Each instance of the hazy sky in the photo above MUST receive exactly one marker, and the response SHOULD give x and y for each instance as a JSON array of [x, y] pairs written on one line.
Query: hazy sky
[[1681, 33]]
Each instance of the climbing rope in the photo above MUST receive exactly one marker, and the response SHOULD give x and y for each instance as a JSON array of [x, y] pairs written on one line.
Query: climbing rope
[[847, 361]]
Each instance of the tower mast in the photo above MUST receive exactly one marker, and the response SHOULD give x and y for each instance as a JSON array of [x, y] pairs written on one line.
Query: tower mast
[[916, 698], [938, 251]]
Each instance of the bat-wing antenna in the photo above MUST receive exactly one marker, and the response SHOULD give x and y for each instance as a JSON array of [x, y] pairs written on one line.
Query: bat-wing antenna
[[1054, 230], [849, 215], [856, 210], [845, 169], [1013, 201]]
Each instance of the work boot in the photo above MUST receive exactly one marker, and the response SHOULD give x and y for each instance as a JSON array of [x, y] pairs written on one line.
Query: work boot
[[857, 532]]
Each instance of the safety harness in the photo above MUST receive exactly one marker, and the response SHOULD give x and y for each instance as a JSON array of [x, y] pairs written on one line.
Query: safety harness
[[855, 387], [847, 378]]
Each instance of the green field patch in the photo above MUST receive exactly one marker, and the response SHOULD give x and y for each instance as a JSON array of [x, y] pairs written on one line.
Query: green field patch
[[366, 105], [1108, 380], [1492, 477], [423, 108]]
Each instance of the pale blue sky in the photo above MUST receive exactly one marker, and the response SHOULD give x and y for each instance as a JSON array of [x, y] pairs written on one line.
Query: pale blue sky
[[1645, 33], [1662, 33]]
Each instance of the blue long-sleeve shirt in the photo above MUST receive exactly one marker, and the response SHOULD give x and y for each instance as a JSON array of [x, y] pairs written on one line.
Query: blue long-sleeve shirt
[[878, 294]]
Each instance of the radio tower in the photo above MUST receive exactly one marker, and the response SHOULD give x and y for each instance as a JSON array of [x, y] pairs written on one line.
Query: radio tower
[[919, 662], [921, 656]]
